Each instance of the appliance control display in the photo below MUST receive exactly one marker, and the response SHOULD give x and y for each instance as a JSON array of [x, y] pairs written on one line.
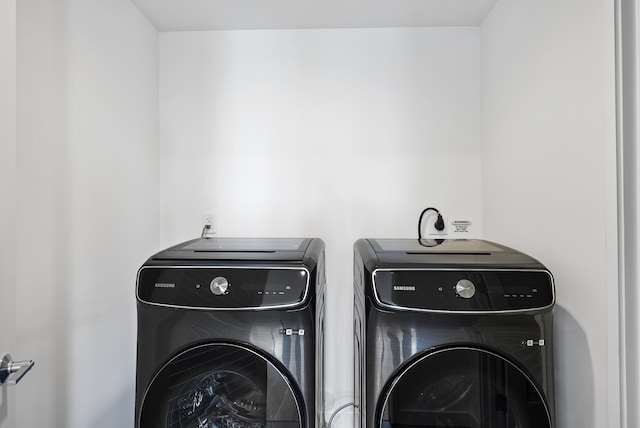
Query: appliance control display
[[463, 291], [223, 287]]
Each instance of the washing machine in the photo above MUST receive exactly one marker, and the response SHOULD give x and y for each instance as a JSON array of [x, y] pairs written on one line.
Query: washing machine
[[451, 333], [230, 334]]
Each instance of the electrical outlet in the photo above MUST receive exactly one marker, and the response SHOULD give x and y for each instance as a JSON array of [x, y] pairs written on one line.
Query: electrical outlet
[[208, 220], [431, 228]]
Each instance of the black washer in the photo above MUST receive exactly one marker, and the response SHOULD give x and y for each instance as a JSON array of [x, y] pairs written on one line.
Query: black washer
[[230, 334], [451, 333]]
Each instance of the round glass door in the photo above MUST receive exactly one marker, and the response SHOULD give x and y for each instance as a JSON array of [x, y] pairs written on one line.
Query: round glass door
[[462, 388], [220, 386]]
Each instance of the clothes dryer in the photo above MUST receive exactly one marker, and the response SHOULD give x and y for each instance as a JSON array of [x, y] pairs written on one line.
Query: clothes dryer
[[451, 333], [230, 334]]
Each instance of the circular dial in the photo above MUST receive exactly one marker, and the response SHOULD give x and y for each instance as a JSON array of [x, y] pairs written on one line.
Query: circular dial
[[219, 285], [465, 289]]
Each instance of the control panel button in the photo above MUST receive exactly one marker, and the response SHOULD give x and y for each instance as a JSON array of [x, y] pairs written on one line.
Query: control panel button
[[219, 285], [465, 289]]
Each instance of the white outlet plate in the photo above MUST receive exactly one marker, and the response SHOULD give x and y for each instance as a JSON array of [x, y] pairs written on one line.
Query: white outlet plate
[[208, 219]]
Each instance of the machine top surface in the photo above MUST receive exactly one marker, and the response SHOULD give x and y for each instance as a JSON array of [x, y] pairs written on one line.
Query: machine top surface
[[232, 274], [436, 246], [237, 249], [465, 276], [464, 253], [246, 244]]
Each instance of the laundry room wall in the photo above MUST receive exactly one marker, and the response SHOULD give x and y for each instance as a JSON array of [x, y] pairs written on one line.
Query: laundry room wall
[[7, 191], [548, 181], [86, 206], [340, 134]]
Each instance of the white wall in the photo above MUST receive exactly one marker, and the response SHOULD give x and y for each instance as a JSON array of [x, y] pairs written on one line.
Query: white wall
[[7, 194], [340, 134], [548, 182], [280, 133], [87, 199]]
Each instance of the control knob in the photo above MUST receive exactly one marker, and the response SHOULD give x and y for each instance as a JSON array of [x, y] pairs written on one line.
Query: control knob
[[219, 285], [465, 289]]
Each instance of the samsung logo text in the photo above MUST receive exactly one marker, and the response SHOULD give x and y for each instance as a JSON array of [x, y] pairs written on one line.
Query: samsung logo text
[[404, 288], [164, 285]]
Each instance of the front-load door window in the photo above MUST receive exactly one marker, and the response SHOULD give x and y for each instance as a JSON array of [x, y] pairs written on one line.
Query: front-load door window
[[221, 386], [462, 388]]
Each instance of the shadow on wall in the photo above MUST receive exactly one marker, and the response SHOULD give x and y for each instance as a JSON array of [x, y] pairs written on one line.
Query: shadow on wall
[[575, 397], [117, 413]]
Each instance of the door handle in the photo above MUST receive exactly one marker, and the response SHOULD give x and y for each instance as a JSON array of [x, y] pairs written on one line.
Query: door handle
[[11, 371]]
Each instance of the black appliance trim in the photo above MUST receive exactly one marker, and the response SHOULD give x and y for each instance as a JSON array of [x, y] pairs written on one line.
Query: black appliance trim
[[509, 311], [300, 303]]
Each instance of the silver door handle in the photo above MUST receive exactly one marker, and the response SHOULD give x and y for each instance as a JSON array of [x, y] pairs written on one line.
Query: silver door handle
[[11, 371]]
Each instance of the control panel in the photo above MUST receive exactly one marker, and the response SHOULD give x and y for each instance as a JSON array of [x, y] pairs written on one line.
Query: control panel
[[464, 291], [223, 287]]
